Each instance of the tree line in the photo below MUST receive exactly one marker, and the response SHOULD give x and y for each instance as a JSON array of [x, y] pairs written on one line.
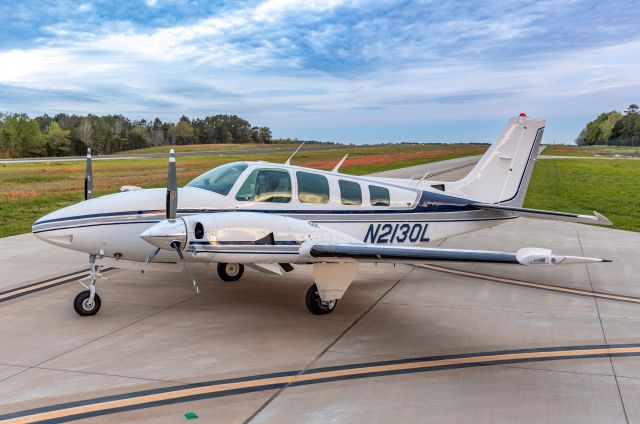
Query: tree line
[[613, 128], [63, 134]]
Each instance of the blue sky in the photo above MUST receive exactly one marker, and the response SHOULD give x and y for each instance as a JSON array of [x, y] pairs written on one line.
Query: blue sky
[[353, 71]]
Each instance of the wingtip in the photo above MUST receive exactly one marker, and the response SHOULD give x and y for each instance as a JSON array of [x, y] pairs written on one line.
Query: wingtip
[[602, 220], [607, 260]]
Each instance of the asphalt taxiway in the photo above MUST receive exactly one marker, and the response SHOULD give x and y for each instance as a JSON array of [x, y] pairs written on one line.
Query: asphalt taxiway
[[436, 343], [228, 152]]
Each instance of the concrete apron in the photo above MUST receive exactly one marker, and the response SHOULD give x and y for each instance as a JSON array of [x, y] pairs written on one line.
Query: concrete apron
[[153, 333]]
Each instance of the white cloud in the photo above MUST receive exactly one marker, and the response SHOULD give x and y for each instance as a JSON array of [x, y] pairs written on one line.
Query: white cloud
[[251, 61], [85, 7]]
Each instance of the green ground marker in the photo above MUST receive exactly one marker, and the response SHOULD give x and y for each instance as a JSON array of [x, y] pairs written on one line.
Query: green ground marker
[[191, 415]]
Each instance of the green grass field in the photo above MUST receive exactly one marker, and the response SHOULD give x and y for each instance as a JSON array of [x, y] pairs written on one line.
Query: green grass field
[[592, 151], [28, 191], [611, 187]]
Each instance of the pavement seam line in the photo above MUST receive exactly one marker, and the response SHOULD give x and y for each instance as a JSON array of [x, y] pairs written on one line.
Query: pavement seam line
[[373, 355], [476, 308], [529, 284], [596, 374], [604, 334], [109, 375], [325, 350]]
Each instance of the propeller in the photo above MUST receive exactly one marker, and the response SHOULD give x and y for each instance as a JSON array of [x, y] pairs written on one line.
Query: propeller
[[151, 256], [176, 246], [88, 178], [177, 231], [172, 187]]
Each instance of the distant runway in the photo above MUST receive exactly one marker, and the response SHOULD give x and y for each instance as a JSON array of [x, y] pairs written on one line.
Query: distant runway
[[230, 152]]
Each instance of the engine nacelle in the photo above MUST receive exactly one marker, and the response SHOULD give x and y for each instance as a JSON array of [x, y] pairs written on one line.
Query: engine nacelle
[[255, 228], [244, 237]]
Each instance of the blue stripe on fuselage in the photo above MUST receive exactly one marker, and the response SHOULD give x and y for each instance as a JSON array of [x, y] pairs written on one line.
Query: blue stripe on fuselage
[[425, 205]]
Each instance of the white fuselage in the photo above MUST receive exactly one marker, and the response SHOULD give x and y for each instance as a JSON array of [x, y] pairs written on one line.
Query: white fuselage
[[111, 225]]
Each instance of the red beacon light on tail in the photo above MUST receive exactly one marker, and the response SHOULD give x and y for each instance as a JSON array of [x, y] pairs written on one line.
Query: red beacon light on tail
[[522, 117]]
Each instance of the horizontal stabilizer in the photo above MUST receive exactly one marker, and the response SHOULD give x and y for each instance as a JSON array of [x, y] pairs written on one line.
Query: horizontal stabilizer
[[411, 255], [596, 218]]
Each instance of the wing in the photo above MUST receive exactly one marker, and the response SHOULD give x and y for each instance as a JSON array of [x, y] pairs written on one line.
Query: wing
[[596, 218], [362, 252]]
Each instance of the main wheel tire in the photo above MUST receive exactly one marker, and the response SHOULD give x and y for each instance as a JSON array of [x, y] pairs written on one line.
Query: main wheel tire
[[315, 305], [83, 307], [230, 272]]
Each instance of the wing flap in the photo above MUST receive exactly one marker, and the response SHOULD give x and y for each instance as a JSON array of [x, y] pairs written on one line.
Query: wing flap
[[596, 218], [410, 255]]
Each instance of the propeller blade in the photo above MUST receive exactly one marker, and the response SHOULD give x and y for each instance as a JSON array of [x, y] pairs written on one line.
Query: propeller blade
[[88, 178], [172, 187], [151, 256], [179, 252]]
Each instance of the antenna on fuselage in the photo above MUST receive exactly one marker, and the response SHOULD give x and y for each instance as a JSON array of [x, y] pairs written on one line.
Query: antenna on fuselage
[[335, 168], [288, 162]]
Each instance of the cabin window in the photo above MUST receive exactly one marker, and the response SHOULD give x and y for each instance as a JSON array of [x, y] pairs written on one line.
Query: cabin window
[[379, 196], [350, 192], [312, 188], [220, 179], [266, 185]]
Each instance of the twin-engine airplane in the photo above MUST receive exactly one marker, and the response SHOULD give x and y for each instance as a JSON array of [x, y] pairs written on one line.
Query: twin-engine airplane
[[271, 216]]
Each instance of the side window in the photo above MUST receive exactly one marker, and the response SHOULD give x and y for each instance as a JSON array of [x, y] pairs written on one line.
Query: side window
[[379, 196], [266, 185], [350, 192], [312, 188]]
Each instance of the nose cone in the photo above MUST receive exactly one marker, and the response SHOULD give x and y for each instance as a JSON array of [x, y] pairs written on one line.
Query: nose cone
[[48, 228], [165, 233]]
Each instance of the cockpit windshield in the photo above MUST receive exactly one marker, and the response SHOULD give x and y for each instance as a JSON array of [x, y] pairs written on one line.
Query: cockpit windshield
[[220, 179]]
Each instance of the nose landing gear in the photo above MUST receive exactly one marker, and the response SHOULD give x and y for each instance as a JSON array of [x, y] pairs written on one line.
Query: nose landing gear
[[84, 306], [88, 302]]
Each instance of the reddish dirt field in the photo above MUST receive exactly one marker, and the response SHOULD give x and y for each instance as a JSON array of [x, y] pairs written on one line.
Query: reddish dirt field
[[385, 159]]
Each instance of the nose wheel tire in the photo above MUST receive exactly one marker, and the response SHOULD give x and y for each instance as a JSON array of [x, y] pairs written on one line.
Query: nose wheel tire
[[230, 272], [84, 307], [316, 305]]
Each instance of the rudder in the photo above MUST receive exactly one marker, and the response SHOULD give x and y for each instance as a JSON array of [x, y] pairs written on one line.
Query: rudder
[[503, 173]]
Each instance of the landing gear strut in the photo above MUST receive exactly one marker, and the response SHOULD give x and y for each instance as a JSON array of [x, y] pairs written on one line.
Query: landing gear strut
[[316, 305], [230, 272], [88, 302]]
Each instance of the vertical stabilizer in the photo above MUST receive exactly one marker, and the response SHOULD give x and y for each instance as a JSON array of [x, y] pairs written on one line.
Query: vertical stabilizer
[[502, 175]]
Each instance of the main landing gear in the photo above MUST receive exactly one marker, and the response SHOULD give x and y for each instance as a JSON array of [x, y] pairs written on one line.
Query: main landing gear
[[230, 272], [88, 302], [316, 305]]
